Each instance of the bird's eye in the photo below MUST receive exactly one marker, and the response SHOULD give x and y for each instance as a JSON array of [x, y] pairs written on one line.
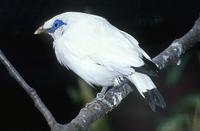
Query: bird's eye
[[57, 23]]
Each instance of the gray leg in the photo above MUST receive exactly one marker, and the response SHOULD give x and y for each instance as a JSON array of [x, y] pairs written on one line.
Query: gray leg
[[104, 90], [101, 94]]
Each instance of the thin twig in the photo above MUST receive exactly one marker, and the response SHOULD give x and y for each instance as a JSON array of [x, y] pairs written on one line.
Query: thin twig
[[30, 91]]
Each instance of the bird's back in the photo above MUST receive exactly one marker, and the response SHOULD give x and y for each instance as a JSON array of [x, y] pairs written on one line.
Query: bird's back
[[95, 38]]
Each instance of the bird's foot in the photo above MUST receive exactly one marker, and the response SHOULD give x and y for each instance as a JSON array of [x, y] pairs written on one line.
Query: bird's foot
[[101, 97]]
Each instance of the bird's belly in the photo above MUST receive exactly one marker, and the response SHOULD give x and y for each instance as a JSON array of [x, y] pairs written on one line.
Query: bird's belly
[[87, 69], [93, 73]]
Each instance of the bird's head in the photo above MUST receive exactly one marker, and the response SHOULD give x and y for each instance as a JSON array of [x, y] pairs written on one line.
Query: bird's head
[[54, 26], [61, 23]]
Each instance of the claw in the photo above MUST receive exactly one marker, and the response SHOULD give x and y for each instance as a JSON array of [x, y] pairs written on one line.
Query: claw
[[100, 96]]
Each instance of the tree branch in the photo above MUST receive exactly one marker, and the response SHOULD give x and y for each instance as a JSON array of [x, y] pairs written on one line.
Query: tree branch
[[30, 91], [171, 55], [96, 109]]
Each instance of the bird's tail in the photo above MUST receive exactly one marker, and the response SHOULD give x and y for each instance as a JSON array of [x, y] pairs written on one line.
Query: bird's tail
[[148, 90]]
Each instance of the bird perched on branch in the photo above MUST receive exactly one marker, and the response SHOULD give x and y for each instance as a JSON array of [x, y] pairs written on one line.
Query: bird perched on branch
[[101, 54]]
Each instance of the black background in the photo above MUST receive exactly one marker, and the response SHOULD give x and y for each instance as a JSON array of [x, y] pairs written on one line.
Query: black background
[[154, 23]]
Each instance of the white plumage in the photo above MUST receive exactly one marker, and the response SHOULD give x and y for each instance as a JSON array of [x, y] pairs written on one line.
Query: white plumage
[[97, 51]]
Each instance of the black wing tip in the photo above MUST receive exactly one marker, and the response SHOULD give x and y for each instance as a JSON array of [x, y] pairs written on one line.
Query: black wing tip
[[145, 70], [154, 98], [148, 68]]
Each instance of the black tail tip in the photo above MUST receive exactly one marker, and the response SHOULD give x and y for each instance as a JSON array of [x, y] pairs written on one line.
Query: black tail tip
[[154, 98]]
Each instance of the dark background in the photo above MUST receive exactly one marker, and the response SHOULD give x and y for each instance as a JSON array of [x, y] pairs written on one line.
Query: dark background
[[154, 23]]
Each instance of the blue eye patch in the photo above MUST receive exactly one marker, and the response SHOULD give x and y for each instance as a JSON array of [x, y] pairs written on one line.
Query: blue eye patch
[[57, 23]]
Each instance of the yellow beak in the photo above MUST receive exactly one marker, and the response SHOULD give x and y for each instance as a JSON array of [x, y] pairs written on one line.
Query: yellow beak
[[40, 30]]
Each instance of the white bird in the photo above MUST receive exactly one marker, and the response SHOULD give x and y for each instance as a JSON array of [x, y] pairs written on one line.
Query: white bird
[[101, 54]]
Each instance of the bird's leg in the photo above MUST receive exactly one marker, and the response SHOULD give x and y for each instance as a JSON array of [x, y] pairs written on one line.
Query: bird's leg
[[117, 82], [101, 94]]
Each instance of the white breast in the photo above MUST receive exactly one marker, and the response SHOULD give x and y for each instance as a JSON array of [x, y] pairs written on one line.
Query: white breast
[[91, 72]]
